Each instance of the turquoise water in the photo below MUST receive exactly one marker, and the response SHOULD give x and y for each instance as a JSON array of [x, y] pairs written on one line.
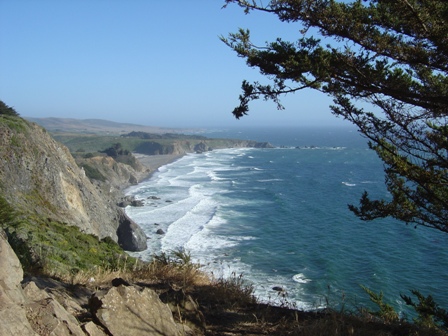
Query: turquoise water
[[279, 217]]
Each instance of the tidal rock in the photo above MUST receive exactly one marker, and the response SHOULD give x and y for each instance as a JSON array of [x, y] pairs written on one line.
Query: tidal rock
[[133, 180], [137, 203], [130, 236], [160, 232], [123, 204]]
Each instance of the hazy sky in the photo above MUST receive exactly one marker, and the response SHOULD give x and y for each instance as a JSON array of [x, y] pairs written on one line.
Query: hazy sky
[[152, 62]]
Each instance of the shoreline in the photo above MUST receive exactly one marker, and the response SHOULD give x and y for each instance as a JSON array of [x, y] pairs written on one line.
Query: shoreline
[[153, 162]]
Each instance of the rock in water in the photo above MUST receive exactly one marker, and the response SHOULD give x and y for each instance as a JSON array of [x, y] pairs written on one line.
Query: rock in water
[[130, 236]]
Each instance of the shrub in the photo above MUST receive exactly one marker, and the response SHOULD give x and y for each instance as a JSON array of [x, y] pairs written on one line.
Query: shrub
[[7, 110], [386, 312], [430, 315], [93, 173]]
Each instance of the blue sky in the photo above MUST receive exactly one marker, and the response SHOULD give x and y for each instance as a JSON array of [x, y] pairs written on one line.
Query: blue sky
[[149, 62]]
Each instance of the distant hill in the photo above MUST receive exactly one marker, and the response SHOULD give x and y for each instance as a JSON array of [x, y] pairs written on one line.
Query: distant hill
[[98, 126]]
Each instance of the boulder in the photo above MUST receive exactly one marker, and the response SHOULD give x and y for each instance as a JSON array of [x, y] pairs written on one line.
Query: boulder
[[133, 180], [137, 203], [48, 317], [91, 329], [130, 236], [201, 148], [131, 311], [123, 204], [45, 288]]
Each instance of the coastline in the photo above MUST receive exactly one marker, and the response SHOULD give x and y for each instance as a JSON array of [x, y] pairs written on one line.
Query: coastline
[[154, 162]]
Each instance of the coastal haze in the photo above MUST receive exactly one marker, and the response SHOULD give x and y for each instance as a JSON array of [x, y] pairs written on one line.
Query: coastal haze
[[99, 126], [158, 63]]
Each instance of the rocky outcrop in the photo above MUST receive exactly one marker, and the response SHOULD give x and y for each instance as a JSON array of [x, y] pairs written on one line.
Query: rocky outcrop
[[114, 175], [47, 316], [40, 177], [127, 310], [46, 307], [12, 313], [201, 147], [130, 236], [29, 311]]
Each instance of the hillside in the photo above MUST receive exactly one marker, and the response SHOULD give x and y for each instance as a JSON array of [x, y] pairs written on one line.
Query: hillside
[[96, 126], [150, 146], [42, 181]]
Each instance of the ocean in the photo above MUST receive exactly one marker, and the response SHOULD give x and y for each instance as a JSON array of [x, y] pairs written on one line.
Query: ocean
[[279, 218]]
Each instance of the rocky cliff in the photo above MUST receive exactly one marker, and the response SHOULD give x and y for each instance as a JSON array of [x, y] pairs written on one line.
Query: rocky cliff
[[39, 177], [180, 147]]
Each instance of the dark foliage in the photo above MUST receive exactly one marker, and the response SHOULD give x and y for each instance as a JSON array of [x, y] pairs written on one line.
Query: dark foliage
[[7, 110], [116, 150]]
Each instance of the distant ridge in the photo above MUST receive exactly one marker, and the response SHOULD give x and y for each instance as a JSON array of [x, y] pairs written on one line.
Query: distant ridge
[[98, 126]]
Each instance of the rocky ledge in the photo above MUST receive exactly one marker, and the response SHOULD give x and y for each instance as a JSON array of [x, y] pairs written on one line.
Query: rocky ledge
[[44, 306]]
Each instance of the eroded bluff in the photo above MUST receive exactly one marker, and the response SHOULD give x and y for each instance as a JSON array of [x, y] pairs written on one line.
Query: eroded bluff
[[39, 176]]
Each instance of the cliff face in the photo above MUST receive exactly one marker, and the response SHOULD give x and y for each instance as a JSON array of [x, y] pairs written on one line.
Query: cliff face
[[112, 176], [39, 176], [179, 147]]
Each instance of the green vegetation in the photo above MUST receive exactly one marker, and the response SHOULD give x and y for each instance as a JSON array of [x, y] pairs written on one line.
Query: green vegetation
[[176, 136], [119, 154], [142, 144], [7, 110], [386, 311], [92, 143], [92, 172], [53, 248], [116, 150], [429, 314], [16, 124]]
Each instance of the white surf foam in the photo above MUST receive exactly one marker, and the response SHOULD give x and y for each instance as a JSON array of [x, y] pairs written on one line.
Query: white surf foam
[[300, 278]]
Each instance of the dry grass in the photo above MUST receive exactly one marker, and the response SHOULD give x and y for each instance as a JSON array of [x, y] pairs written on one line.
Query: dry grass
[[225, 307], [175, 270]]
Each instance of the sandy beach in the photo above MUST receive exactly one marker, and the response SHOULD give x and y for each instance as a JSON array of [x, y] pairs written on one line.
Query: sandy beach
[[153, 162]]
